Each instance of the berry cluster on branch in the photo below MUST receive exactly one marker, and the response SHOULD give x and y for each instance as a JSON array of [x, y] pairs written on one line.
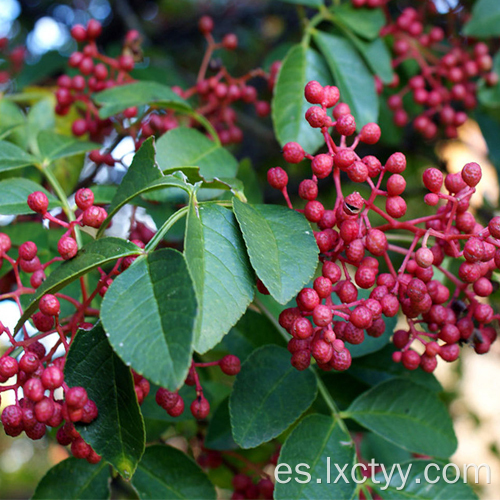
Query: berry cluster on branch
[[353, 249], [214, 96], [449, 71]]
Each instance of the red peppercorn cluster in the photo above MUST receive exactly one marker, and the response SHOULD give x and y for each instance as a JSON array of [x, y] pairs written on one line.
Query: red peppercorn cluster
[[173, 403], [91, 216], [12, 60], [215, 94], [332, 314], [445, 85], [97, 72], [39, 408], [36, 372]]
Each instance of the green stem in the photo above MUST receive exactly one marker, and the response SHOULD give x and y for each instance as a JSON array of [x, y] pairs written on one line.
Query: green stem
[[156, 239], [321, 16], [59, 191], [321, 386]]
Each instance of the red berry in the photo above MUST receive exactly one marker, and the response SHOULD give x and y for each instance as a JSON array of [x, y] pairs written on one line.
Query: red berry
[[313, 211], [301, 359], [370, 133], [33, 389], [177, 409], [200, 408], [308, 190], [410, 359], [126, 62], [52, 377], [471, 174], [322, 165], [344, 159], [28, 250], [314, 92], [76, 397], [79, 33], [230, 41], [8, 367], [396, 185], [94, 29], [38, 202], [230, 365], [376, 242], [5, 243], [42, 322], [80, 449], [277, 178], [206, 25], [316, 117], [395, 206], [166, 399], [346, 125], [84, 198], [396, 164], [79, 127], [94, 216], [293, 152], [49, 305], [67, 247], [341, 361]]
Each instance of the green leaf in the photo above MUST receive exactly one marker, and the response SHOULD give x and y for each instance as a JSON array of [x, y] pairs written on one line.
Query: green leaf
[[142, 176], [41, 116], [11, 118], [268, 396], [116, 99], [14, 193], [377, 57], [219, 436], [149, 312], [74, 479], [166, 472], [248, 176], [319, 442], [383, 452], [216, 256], [417, 485], [352, 77], [289, 105], [54, 146], [13, 157], [117, 434], [407, 415], [308, 3], [96, 253], [485, 20], [281, 247], [366, 22], [186, 147]]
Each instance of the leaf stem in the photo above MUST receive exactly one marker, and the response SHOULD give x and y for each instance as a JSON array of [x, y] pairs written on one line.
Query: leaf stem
[[156, 239]]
